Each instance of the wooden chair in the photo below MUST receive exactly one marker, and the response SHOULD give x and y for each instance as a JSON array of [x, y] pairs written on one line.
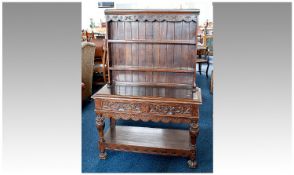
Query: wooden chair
[[90, 36], [201, 60], [100, 58], [84, 36]]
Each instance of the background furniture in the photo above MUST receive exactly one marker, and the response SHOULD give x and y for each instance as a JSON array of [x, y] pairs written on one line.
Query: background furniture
[[205, 51], [88, 52], [202, 58], [100, 65], [151, 78], [209, 45], [83, 90], [211, 83]]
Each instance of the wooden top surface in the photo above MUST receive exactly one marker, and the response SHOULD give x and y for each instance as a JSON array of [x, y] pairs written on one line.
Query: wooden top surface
[[149, 93], [150, 11]]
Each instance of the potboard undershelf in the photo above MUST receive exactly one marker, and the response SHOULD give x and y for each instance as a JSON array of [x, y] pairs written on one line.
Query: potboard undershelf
[[148, 140]]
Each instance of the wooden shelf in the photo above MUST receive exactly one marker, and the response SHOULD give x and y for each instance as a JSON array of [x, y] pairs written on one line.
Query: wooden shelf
[[191, 42], [150, 93], [151, 84], [152, 69], [148, 140]]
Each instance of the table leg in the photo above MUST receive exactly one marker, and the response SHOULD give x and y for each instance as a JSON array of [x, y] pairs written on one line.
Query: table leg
[[194, 130], [207, 69], [199, 67], [100, 127], [112, 122]]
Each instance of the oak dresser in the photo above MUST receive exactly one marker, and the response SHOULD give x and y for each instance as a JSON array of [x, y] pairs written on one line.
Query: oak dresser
[[152, 77]]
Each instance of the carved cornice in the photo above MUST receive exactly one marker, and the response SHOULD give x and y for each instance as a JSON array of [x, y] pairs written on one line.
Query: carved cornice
[[152, 18]]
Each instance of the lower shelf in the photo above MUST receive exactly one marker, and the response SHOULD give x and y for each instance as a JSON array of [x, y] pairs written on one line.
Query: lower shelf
[[149, 140]]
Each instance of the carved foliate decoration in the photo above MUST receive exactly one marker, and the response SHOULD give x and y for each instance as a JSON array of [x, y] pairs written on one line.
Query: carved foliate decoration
[[146, 117], [170, 110], [120, 106], [99, 120], [151, 18]]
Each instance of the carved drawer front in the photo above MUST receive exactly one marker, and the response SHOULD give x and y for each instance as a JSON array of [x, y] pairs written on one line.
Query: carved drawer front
[[168, 109], [122, 106]]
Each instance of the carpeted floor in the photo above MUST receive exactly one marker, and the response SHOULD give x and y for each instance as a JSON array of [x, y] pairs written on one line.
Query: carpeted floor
[[135, 162]]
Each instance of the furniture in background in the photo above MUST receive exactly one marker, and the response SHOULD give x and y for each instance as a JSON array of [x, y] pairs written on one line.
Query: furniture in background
[[100, 66], [205, 56], [88, 52], [83, 90], [202, 51], [90, 36], [83, 36], [100, 60], [205, 51], [152, 77], [211, 83], [209, 45]]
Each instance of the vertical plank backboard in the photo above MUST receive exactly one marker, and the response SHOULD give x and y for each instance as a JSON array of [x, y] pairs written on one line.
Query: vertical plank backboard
[[149, 54], [121, 60], [169, 44], [142, 54]]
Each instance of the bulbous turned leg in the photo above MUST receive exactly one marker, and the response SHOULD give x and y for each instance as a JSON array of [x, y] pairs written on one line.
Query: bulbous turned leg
[[194, 130], [100, 127], [112, 122]]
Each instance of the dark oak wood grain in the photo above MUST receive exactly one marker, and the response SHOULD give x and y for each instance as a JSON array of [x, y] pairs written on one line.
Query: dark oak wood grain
[[154, 41], [154, 69]]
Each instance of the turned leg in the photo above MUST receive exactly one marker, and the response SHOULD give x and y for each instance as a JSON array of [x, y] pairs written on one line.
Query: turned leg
[[112, 122], [100, 127], [199, 67], [194, 130], [207, 69]]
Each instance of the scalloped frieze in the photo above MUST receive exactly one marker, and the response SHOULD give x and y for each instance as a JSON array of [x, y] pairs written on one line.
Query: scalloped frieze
[[151, 18], [146, 118]]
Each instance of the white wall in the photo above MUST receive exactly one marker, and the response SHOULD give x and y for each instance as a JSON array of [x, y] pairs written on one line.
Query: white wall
[[90, 8]]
